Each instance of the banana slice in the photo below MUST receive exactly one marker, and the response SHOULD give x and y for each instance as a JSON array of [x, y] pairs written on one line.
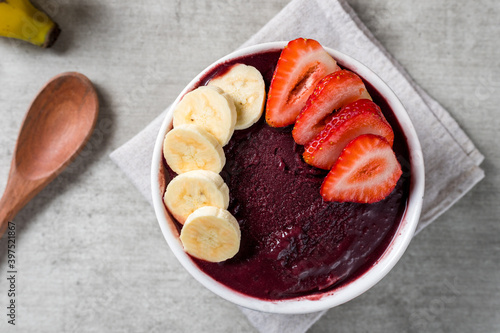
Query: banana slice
[[190, 147], [210, 108], [211, 234], [194, 189], [246, 87]]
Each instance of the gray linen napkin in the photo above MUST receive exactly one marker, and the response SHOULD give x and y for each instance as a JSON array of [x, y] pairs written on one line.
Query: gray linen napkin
[[451, 159]]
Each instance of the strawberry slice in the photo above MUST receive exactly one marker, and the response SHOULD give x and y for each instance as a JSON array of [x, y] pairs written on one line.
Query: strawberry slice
[[302, 63], [360, 117], [331, 93], [367, 171]]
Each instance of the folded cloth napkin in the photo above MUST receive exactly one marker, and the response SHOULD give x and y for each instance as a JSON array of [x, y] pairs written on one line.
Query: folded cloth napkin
[[451, 159]]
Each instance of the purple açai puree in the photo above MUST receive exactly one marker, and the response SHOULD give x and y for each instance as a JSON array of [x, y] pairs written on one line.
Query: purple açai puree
[[292, 242]]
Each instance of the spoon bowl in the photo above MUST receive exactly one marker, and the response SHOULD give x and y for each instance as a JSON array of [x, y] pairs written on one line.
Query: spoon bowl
[[58, 124]]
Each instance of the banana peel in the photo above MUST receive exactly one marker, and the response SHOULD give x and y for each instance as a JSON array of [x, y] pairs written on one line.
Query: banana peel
[[21, 20]]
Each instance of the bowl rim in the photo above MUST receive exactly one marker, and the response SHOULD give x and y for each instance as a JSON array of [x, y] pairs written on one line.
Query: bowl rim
[[316, 302]]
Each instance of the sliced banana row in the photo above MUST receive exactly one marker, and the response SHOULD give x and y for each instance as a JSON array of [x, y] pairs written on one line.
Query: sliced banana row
[[204, 121]]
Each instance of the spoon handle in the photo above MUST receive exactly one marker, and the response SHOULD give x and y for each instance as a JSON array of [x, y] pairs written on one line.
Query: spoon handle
[[18, 192], [6, 214]]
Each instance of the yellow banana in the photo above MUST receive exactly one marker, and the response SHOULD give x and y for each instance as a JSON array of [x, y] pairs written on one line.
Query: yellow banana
[[20, 19]]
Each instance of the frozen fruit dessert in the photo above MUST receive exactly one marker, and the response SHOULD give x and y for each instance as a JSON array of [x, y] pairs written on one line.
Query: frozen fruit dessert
[[302, 200]]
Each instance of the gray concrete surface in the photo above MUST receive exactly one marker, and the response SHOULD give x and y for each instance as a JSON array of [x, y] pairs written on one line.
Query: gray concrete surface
[[90, 255]]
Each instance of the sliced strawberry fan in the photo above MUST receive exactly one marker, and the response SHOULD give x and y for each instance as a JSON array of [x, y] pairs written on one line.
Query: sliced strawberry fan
[[354, 143], [367, 171], [302, 64]]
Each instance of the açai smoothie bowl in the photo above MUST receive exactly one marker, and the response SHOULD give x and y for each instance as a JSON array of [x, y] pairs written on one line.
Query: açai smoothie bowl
[[287, 177]]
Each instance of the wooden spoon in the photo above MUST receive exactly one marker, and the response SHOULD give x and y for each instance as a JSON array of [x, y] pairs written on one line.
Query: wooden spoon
[[55, 129]]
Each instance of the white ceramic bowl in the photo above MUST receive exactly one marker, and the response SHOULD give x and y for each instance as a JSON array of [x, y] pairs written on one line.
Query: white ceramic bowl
[[329, 299]]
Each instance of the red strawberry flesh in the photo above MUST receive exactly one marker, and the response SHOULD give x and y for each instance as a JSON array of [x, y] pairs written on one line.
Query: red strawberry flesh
[[367, 171], [302, 64], [360, 117], [331, 93]]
